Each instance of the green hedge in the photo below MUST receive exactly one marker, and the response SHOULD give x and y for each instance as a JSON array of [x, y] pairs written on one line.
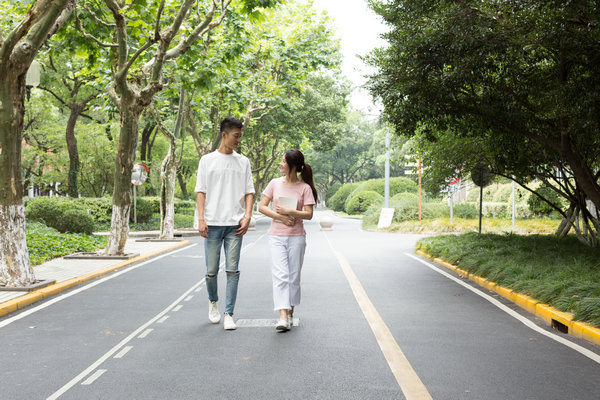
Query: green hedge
[[61, 214], [360, 202], [337, 202]]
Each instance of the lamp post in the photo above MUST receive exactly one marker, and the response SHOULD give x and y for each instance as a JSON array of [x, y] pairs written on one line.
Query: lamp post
[[387, 168], [32, 79]]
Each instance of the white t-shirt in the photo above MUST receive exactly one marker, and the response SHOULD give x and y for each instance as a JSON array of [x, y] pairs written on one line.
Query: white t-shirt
[[225, 179]]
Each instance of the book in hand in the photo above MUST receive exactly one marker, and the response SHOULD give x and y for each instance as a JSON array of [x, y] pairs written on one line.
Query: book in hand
[[288, 202]]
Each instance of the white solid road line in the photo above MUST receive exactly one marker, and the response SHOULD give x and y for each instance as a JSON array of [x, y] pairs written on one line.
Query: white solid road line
[[512, 313], [112, 351], [135, 333], [86, 287]]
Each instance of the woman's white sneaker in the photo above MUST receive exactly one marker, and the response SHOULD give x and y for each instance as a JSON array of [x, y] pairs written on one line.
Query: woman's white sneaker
[[282, 326]]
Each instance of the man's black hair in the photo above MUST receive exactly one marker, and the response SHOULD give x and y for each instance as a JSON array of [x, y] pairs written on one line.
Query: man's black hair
[[230, 123]]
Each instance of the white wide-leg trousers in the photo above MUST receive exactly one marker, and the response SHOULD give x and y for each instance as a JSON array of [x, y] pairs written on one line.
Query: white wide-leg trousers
[[287, 256]]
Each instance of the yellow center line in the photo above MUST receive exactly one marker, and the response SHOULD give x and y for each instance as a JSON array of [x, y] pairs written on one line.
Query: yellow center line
[[407, 378]]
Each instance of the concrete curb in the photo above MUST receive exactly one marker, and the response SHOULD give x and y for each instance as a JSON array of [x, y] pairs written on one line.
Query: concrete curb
[[23, 301], [553, 317]]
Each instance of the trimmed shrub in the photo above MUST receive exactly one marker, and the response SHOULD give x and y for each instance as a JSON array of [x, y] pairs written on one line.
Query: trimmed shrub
[[61, 214], [539, 206], [186, 207], [332, 190], [100, 208], [338, 200], [360, 202], [75, 221], [45, 210], [397, 185], [144, 210]]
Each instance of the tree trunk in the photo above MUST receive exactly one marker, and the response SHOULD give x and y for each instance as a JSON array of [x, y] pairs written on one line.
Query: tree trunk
[[15, 267], [74, 164], [168, 174], [182, 185], [125, 158]]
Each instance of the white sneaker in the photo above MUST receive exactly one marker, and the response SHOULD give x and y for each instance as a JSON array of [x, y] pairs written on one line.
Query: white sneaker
[[228, 323], [291, 320], [213, 312], [282, 326]]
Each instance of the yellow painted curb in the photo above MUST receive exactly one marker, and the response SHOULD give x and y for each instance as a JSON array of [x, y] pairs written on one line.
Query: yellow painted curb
[[550, 315], [23, 301]]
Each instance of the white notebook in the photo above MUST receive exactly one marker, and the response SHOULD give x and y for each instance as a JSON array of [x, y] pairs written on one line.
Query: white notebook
[[288, 202]]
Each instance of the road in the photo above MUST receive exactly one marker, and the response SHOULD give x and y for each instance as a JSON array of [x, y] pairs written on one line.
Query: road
[[376, 322]]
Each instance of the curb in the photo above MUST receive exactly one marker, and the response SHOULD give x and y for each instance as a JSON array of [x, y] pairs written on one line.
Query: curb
[[23, 301], [557, 319]]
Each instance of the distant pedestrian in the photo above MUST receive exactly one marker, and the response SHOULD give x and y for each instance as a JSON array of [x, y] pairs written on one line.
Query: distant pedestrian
[[225, 196], [293, 199]]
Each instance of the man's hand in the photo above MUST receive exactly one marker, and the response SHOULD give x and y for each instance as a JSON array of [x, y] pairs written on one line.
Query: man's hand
[[203, 228], [244, 223]]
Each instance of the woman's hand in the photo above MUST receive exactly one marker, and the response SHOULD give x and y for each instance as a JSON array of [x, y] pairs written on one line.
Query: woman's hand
[[287, 220], [283, 210]]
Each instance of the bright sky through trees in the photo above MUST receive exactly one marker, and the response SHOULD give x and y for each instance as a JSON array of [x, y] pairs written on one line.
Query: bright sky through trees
[[359, 28]]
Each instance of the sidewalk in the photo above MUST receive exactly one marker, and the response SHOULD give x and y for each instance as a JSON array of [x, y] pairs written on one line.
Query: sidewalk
[[71, 272]]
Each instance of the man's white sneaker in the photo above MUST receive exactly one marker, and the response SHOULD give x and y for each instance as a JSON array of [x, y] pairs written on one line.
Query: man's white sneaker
[[213, 312], [282, 326], [228, 323]]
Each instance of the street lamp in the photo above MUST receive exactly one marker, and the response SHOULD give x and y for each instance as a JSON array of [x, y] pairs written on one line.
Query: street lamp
[[32, 79]]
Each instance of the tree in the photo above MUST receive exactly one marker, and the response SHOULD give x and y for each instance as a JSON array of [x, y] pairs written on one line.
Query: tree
[[74, 91], [17, 50], [522, 74], [142, 36], [351, 158]]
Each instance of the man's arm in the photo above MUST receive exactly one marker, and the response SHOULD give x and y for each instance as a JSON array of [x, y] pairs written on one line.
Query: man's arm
[[245, 222], [202, 227]]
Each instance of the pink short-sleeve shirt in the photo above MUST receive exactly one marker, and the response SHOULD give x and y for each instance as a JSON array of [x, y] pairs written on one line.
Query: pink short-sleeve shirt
[[300, 191]]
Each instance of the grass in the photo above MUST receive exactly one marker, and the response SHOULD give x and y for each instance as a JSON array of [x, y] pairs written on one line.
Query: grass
[[460, 225], [46, 243], [560, 272]]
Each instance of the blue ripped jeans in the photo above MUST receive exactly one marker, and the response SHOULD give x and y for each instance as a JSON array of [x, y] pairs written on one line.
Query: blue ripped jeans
[[223, 236]]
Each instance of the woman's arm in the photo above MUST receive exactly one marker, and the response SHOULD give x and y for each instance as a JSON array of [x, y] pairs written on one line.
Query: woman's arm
[[263, 207], [307, 213]]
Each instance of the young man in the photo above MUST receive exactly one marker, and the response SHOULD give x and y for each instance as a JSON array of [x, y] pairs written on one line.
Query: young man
[[224, 196]]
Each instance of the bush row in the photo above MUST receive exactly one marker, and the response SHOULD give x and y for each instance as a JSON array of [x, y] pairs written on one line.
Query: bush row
[[364, 194], [84, 215]]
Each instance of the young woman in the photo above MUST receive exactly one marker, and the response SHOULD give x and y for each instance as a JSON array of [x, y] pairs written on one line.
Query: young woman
[[293, 198]]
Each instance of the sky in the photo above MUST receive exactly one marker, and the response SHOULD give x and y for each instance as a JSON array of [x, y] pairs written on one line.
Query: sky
[[359, 28]]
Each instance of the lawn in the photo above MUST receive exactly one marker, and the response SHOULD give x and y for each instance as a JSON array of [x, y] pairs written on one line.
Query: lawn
[[560, 272]]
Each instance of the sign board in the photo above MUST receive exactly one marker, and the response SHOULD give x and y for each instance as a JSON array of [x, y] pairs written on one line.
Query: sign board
[[385, 218], [139, 174]]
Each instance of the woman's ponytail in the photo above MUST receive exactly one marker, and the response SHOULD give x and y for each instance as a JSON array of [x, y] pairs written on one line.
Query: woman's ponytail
[[295, 158], [307, 176]]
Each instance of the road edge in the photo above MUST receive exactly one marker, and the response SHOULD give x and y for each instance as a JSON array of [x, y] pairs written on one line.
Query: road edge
[[548, 314], [21, 302]]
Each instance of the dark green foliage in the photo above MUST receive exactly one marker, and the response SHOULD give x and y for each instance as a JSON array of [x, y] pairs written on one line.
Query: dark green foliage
[[397, 185], [75, 221], [360, 202], [561, 272], [539, 206], [46, 243], [144, 210], [465, 210], [338, 200], [44, 209]]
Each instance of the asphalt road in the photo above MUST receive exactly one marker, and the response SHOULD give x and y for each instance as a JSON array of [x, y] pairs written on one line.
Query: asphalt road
[[375, 322]]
